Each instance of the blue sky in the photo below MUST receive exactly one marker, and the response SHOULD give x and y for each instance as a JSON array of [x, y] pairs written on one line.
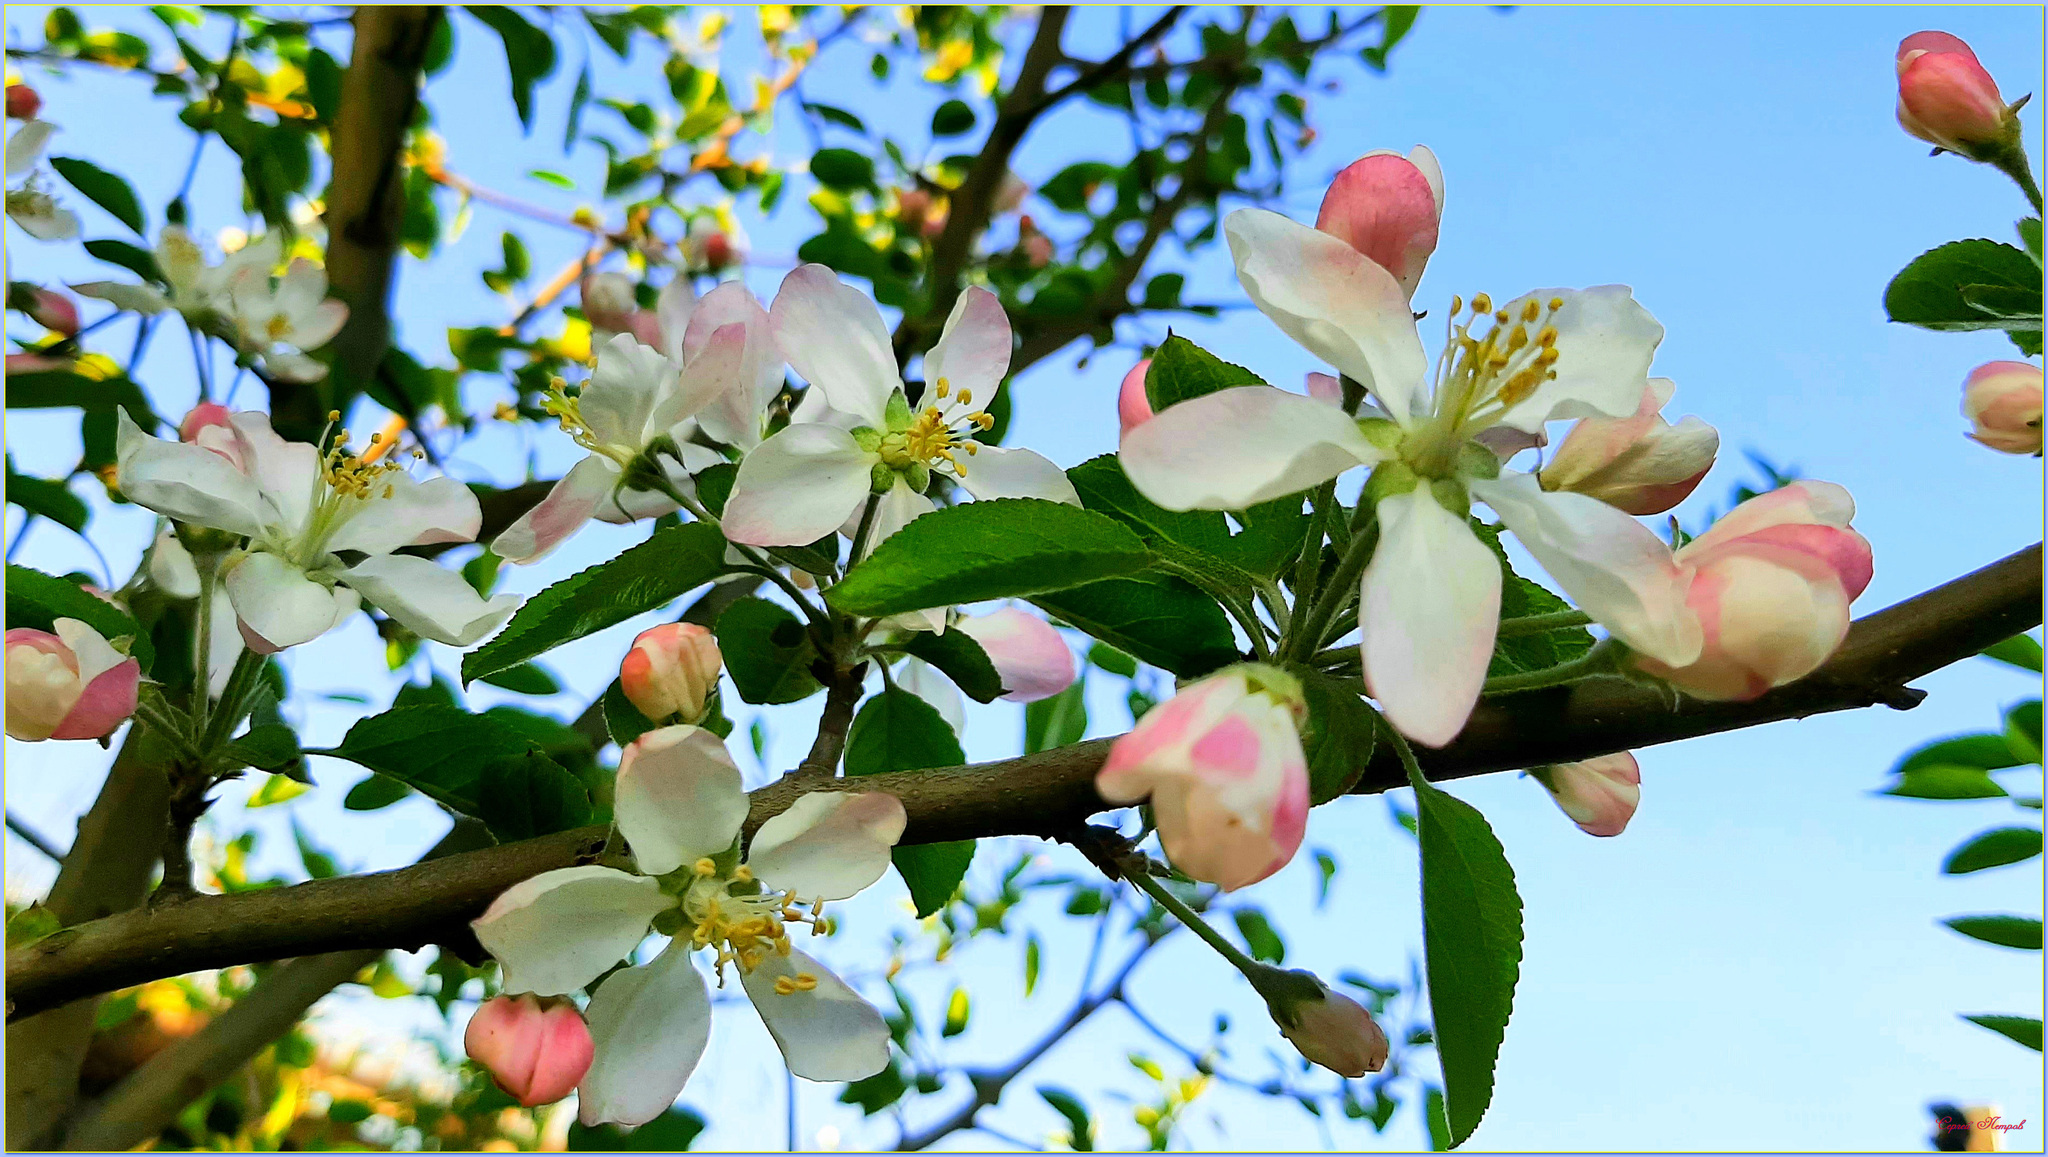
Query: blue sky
[[1757, 963]]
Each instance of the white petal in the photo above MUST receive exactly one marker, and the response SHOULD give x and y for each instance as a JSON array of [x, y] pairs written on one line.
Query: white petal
[[718, 371], [677, 798], [1333, 300], [735, 417], [171, 567], [223, 645], [560, 930], [1605, 342], [142, 299], [898, 509], [1238, 447], [413, 513], [95, 655], [973, 351], [828, 845], [43, 219], [1027, 652], [834, 337], [562, 513], [186, 483], [292, 367], [1612, 566], [931, 685], [280, 605], [629, 386], [649, 1024], [319, 324], [1014, 472], [1429, 606], [300, 291], [674, 307], [797, 487], [26, 146], [287, 471], [827, 1033], [428, 599]]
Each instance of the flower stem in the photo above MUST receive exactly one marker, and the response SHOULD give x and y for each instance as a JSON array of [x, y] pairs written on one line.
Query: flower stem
[[1537, 624], [840, 698], [867, 527], [2013, 163], [233, 696], [1597, 661], [207, 563], [1146, 883], [1307, 631], [819, 621], [161, 718]]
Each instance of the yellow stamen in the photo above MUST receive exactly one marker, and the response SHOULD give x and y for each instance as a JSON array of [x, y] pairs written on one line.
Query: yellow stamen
[[1481, 303], [705, 867]]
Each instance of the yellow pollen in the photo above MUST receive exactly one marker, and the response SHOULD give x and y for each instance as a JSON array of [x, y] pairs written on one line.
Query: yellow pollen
[[1481, 303], [743, 873], [334, 415], [1556, 303], [705, 867], [1530, 312], [1517, 338], [1548, 355], [1547, 337], [966, 397], [1457, 304], [944, 387], [1500, 317]]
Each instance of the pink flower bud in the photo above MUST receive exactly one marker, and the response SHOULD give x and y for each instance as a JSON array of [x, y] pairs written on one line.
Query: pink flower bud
[[1037, 250], [1771, 584], [1946, 98], [2003, 401], [718, 251], [23, 102], [1029, 655], [1223, 766], [203, 416], [1387, 207], [1337, 1033], [34, 363], [608, 302], [69, 685], [53, 311], [912, 205], [1599, 794], [1133, 407], [671, 671], [1641, 464], [537, 1053]]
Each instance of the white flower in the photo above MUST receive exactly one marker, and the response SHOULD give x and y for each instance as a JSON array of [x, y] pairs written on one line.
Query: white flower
[[1429, 601], [28, 205], [297, 314], [635, 408], [198, 291], [298, 508], [861, 437], [679, 805]]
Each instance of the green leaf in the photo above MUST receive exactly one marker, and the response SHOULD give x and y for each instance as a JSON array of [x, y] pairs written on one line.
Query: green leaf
[[843, 169], [1520, 598], [621, 718], [1112, 660], [270, 747], [1982, 750], [897, 731], [647, 576], [30, 925], [1994, 849], [1438, 1121], [2023, 1030], [1931, 291], [962, 659], [2023, 731], [1182, 370], [1472, 938], [529, 54], [377, 791], [1259, 937], [1057, 720], [38, 600], [48, 498], [990, 549], [478, 765], [767, 652], [1945, 781], [107, 190], [51, 389], [1159, 619], [2022, 932], [1340, 734], [133, 258], [1198, 542], [1080, 1127], [526, 679], [952, 118], [275, 789], [1397, 20], [956, 1014], [672, 1132], [873, 1094], [1033, 955], [2021, 651]]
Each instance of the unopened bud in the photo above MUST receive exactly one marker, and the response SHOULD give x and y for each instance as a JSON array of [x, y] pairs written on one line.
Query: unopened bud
[[47, 308], [1328, 1028], [536, 1052], [1133, 405], [671, 672], [1947, 99], [1599, 794], [23, 102], [203, 415], [2002, 400]]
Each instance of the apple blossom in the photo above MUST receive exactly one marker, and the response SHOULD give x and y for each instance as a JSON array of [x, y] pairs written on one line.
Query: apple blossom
[[1223, 766], [297, 507], [627, 416], [1430, 598], [202, 293], [814, 475], [1133, 405], [536, 1052], [1333, 1031], [671, 672], [1388, 207], [1771, 585], [72, 684], [2002, 400], [1027, 653], [710, 245], [1640, 464], [23, 102], [203, 416], [297, 314], [1599, 794], [29, 205], [679, 806], [1947, 99]]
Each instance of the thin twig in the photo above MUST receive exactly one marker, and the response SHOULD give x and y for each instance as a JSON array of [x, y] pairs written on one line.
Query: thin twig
[[34, 839]]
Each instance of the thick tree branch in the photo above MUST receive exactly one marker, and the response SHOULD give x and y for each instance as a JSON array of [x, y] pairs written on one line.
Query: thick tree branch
[[1044, 794]]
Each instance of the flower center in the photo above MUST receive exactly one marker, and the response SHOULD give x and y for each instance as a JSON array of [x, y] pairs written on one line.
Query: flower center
[[745, 922], [345, 484], [568, 410], [1480, 378], [936, 434]]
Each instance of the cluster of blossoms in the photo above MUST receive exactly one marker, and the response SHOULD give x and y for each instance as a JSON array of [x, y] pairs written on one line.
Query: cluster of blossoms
[[30, 203], [270, 321]]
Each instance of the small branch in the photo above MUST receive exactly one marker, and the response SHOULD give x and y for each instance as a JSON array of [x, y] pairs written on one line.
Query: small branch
[[1046, 794], [842, 693], [1114, 65], [34, 839]]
